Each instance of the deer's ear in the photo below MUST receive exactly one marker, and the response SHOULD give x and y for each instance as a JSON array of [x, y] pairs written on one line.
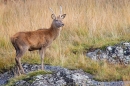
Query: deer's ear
[[63, 16], [53, 16]]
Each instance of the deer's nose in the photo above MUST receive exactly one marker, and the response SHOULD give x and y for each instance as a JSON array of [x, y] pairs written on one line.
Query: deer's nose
[[62, 24]]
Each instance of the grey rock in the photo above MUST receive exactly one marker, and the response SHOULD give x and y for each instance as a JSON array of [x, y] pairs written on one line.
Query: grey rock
[[79, 79], [21, 83], [60, 77], [92, 55], [119, 53]]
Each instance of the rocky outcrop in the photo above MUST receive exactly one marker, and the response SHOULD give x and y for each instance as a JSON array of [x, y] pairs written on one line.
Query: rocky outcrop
[[59, 77], [119, 53]]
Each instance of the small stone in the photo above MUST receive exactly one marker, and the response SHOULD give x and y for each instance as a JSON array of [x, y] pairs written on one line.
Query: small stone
[[21, 83]]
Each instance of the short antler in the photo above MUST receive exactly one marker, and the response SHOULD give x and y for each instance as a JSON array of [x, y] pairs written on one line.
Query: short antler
[[60, 10], [52, 11]]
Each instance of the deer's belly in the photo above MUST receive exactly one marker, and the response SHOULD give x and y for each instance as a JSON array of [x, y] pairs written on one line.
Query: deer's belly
[[35, 48]]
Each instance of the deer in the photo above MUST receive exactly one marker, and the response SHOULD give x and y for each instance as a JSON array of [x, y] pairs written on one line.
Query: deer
[[39, 39]]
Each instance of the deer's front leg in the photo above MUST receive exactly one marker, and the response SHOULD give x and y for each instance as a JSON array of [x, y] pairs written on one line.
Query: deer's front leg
[[42, 54]]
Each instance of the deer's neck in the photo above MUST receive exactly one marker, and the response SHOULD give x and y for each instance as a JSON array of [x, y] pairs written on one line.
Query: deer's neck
[[55, 32]]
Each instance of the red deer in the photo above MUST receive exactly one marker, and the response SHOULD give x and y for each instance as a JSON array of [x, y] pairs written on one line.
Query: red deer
[[36, 40]]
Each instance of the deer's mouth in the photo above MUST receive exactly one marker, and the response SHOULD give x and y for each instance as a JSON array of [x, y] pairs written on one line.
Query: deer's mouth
[[62, 25]]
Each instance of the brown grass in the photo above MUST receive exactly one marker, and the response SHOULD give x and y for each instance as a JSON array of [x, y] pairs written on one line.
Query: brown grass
[[89, 23]]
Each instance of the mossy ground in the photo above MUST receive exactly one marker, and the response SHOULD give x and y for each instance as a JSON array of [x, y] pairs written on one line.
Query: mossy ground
[[27, 78]]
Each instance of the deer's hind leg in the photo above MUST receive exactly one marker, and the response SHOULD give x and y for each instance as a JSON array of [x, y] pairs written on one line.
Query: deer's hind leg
[[19, 53], [17, 63]]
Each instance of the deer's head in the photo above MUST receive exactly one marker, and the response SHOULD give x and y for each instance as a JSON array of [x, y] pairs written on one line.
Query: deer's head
[[57, 21]]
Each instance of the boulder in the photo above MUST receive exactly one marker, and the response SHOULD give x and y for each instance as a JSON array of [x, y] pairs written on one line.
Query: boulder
[[119, 53]]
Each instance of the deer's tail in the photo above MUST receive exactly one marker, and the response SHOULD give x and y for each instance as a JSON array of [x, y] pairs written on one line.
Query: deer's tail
[[14, 43], [13, 39]]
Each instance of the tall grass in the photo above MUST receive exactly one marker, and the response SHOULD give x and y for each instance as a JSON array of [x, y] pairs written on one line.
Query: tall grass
[[89, 23]]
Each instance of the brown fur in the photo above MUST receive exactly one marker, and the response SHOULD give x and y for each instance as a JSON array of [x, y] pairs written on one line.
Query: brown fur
[[35, 40]]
